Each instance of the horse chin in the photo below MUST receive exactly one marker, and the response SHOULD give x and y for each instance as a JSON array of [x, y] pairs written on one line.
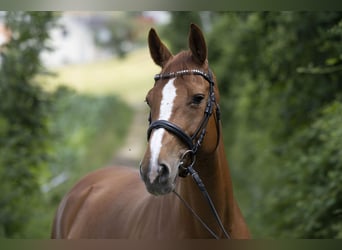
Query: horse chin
[[159, 190]]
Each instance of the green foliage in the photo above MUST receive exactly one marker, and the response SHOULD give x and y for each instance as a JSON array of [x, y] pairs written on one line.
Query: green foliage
[[23, 119], [276, 72], [178, 29], [44, 135], [310, 204], [121, 32], [87, 130]]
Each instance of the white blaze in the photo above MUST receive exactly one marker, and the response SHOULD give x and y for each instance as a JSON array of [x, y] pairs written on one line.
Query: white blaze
[[166, 105]]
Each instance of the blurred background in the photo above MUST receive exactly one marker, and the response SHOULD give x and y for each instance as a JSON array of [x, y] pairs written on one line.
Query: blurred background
[[72, 89]]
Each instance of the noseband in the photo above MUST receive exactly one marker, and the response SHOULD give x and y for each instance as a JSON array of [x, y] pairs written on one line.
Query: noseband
[[190, 141]]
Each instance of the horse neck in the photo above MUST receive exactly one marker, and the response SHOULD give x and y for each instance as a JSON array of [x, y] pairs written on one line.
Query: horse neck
[[213, 170]]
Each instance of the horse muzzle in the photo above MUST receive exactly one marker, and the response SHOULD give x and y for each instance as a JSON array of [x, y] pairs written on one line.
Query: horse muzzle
[[160, 181]]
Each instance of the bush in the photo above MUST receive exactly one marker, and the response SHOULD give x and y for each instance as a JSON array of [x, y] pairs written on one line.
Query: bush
[[308, 197], [276, 72], [23, 119], [87, 130], [45, 134]]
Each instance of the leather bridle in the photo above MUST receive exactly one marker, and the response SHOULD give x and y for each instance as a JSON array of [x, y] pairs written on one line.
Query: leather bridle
[[194, 141]]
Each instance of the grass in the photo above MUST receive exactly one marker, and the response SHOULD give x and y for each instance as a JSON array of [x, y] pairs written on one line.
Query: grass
[[130, 78]]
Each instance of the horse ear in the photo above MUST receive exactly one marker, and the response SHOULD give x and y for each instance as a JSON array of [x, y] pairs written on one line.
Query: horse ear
[[197, 44], [159, 52]]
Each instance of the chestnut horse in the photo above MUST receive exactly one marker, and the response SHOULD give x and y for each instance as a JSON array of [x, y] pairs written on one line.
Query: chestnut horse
[[184, 137]]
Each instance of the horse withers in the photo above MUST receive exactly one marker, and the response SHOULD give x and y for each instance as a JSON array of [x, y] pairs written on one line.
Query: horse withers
[[160, 200]]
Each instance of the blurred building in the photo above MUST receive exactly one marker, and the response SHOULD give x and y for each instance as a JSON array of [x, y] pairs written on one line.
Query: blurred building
[[73, 40], [77, 38], [80, 36]]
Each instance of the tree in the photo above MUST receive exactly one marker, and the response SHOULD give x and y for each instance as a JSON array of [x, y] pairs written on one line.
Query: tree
[[178, 29], [120, 32], [280, 78], [23, 118]]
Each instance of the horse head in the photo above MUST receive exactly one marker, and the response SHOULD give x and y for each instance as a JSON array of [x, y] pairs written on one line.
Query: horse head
[[183, 112]]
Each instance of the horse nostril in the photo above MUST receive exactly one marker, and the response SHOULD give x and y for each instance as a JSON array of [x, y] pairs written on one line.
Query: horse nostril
[[164, 173]]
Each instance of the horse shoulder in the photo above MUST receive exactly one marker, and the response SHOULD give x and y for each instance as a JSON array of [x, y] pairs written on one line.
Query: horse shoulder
[[95, 197]]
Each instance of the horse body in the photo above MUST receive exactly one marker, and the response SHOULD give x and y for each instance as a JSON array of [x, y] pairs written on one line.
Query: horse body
[[113, 203], [122, 202]]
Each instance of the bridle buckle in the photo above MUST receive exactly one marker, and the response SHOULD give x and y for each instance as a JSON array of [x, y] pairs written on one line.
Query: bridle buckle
[[183, 171]]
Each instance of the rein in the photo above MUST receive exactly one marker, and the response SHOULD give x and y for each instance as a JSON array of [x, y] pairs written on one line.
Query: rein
[[192, 144]]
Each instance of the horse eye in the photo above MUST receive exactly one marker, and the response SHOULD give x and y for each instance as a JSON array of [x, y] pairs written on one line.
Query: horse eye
[[197, 99]]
